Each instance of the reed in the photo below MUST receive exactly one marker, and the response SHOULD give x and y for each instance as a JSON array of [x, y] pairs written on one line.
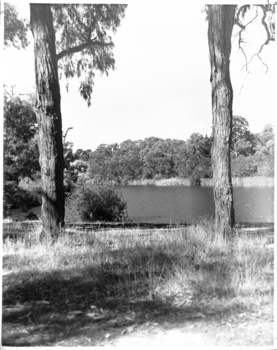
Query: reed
[[175, 181], [207, 182], [255, 181], [141, 182]]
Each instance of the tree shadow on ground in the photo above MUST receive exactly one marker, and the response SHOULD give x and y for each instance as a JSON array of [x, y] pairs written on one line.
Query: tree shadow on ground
[[92, 304]]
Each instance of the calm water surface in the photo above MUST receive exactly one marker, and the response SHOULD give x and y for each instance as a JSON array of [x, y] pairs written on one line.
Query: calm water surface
[[187, 204]]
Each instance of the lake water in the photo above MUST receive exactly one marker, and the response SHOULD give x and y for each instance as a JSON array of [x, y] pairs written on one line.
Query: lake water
[[156, 204]]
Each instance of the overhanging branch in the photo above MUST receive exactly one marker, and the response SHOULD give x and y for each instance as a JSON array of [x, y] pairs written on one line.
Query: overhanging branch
[[270, 32], [243, 9], [82, 47]]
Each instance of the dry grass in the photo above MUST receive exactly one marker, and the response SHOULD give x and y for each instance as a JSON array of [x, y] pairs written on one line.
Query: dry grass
[[92, 285], [178, 265]]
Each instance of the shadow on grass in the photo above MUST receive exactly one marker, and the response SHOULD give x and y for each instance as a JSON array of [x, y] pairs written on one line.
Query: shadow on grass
[[91, 304]]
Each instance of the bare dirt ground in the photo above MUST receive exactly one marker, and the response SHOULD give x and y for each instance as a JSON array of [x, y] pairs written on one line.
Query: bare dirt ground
[[229, 331]]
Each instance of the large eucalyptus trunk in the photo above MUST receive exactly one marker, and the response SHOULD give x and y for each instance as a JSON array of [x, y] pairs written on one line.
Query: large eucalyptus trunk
[[48, 113], [221, 20]]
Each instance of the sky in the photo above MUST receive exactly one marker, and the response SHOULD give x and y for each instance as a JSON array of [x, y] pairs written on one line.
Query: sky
[[161, 83]]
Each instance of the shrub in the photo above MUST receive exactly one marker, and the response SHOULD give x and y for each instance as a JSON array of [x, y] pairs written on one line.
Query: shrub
[[244, 166], [195, 178], [99, 202], [32, 216], [17, 197]]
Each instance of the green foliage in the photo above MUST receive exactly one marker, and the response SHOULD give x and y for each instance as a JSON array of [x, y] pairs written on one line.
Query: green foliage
[[15, 29], [84, 42], [243, 166], [98, 202], [15, 197], [76, 165], [155, 158], [22, 184], [195, 159], [161, 159], [253, 154], [265, 165], [117, 162], [21, 156], [264, 155], [243, 142], [267, 134], [135, 160]]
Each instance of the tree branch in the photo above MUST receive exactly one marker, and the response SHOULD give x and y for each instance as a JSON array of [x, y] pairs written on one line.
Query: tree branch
[[64, 136], [72, 12], [81, 47], [269, 36], [242, 29]]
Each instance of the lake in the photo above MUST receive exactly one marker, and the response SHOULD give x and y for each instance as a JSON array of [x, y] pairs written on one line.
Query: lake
[[175, 204]]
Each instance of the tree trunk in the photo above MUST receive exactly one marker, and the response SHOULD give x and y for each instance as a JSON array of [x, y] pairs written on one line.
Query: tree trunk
[[48, 113], [221, 20]]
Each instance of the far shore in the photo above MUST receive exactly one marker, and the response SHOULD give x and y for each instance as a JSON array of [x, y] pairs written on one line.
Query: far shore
[[255, 181]]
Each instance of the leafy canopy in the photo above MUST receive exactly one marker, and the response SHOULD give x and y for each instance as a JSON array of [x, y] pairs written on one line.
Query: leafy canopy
[[15, 29], [242, 142], [83, 41], [20, 144], [21, 155]]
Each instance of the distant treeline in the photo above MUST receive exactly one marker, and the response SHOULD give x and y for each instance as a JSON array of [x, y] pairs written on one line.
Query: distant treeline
[[156, 158]]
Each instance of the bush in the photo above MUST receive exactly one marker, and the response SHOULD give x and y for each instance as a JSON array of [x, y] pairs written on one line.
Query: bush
[[16, 197], [243, 166], [99, 202], [265, 165], [195, 179]]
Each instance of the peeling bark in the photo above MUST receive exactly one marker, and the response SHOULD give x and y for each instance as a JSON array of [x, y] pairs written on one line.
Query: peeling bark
[[221, 20], [48, 113]]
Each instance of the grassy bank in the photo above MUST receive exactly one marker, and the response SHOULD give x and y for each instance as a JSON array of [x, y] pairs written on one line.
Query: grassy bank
[[255, 181], [111, 280]]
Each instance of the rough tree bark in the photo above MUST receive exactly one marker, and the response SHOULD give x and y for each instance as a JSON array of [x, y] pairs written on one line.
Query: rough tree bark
[[48, 113], [221, 20]]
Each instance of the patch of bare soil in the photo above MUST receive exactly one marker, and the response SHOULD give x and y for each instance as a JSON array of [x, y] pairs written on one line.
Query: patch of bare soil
[[236, 330]]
